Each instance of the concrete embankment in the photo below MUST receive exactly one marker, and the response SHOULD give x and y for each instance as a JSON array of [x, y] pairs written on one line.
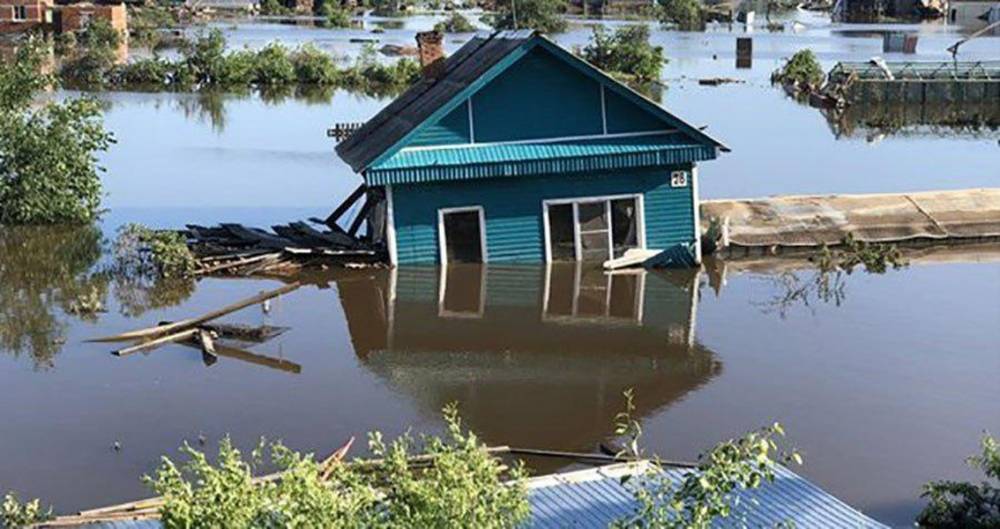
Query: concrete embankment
[[788, 223]]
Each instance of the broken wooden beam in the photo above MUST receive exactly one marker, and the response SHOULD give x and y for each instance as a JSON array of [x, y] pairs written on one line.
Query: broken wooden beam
[[156, 342], [160, 330], [332, 219]]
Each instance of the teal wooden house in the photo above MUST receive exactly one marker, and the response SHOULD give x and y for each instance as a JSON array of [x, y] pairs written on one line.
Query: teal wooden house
[[514, 150]]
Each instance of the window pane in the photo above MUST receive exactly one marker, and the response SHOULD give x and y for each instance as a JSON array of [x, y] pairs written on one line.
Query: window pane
[[592, 216], [594, 246], [624, 225], [561, 232]]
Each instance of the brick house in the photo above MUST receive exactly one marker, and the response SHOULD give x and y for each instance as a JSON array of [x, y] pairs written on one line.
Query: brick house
[[21, 15]]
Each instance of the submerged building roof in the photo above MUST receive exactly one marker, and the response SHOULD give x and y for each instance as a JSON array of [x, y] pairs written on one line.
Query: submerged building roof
[[593, 498], [376, 146]]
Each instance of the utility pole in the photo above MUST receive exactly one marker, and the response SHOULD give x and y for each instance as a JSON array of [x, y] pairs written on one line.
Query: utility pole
[[513, 11]]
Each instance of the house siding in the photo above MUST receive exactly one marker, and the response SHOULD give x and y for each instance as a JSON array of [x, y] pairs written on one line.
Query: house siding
[[513, 211]]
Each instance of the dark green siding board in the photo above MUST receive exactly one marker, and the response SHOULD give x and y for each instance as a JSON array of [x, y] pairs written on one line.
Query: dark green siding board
[[450, 130], [540, 96], [626, 116], [513, 211]]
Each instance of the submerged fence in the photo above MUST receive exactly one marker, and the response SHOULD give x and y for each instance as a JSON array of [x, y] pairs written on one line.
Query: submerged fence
[[917, 82]]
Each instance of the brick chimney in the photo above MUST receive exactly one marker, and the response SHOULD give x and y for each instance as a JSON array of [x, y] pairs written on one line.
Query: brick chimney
[[431, 52]]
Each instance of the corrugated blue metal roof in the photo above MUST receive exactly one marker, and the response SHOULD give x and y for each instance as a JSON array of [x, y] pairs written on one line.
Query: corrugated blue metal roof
[[596, 497], [593, 498], [525, 159]]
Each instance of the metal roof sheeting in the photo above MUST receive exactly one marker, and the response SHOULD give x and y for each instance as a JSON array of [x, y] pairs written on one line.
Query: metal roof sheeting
[[421, 100], [594, 498], [526, 159]]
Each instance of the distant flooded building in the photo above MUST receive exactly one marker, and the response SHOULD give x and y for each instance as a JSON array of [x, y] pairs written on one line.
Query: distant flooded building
[[515, 150], [22, 15]]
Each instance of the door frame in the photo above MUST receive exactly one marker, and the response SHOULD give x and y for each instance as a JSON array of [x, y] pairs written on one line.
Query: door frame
[[640, 219], [442, 238]]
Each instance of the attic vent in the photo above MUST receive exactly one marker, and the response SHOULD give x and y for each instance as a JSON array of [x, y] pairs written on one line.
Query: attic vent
[[342, 131]]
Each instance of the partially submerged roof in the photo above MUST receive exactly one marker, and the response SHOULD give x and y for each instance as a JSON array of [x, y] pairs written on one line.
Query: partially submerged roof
[[375, 148], [594, 498]]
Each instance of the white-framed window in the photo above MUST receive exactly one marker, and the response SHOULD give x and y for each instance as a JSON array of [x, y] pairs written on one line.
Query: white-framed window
[[593, 228], [462, 235], [20, 13], [678, 179]]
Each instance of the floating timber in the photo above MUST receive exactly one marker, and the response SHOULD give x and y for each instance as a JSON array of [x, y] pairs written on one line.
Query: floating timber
[[916, 82], [781, 224]]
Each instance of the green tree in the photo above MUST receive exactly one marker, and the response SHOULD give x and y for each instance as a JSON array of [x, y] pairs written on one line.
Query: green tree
[[953, 504], [801, 69], [541, 15], [686, 15], [94, 55], [456, 23], [625, 53], [48, 164]]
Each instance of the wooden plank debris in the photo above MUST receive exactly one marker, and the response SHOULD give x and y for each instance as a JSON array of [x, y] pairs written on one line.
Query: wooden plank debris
[[156, 342], [189, 323]]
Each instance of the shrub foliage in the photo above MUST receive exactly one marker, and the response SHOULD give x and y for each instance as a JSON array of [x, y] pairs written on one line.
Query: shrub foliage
[[463, 483], [953, 504], [48, 154], [625, 53]]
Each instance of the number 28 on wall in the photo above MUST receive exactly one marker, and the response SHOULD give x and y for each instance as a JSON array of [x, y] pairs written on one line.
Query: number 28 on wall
[[678, 179]]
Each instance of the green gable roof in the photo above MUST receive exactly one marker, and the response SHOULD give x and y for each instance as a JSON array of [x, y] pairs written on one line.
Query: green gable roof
[[391, 147]]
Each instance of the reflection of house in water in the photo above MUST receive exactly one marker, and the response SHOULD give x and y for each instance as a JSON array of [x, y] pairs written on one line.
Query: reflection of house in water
[[513, 345]]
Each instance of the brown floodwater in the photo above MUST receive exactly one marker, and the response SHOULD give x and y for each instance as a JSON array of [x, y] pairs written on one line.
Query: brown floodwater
[[883, 381]]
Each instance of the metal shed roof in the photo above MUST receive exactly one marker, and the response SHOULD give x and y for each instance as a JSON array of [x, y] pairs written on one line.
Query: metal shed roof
[[594, 498]]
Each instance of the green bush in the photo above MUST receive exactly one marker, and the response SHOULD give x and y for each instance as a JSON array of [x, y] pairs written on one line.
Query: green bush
[[463, 483], [314, 66], [334, 15], [686, 15], [801, 69], [456, 23], [143, 252], [150, 71], [274, 66], [705, 494], [14, 514], [956, 505], [48, 163], [542, 15], [94, 55], [239, 69], [626, 52]]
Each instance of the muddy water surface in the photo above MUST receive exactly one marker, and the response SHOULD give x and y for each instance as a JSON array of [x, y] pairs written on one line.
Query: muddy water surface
[[884, 382]]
